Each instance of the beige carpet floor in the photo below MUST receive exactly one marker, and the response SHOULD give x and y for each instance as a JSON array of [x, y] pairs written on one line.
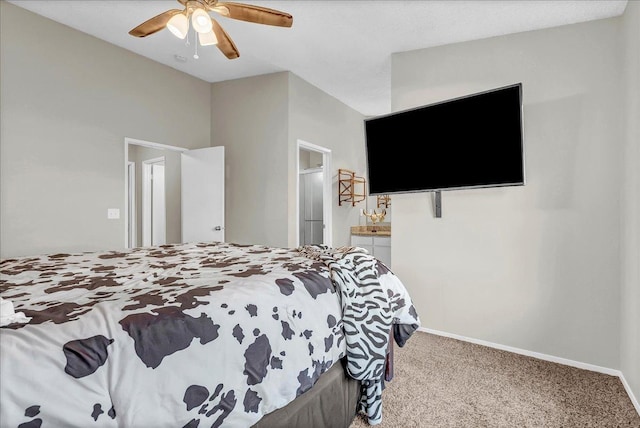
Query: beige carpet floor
[[442, 382]]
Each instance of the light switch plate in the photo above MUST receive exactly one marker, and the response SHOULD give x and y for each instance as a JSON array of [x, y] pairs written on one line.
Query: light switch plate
[[113, 213]]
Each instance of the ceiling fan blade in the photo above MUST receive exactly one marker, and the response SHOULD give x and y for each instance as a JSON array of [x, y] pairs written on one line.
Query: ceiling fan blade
[[154, 24], [250, 13], [225, 44]]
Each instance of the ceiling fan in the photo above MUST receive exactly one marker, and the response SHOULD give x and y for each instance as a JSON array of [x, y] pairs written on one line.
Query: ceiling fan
[[208, 29]]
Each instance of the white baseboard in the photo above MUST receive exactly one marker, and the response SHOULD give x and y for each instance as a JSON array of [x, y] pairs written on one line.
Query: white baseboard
[[545, 357], [633, 398]]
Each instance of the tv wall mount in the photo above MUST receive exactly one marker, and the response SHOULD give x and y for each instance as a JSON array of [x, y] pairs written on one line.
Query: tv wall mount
[[437, 203]]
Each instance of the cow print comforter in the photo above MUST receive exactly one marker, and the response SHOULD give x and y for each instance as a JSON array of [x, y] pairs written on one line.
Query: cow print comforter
[[182, 335]]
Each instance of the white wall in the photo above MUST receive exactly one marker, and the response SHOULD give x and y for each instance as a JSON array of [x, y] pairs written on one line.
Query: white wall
[[68, 101], [630, 302], [534, 267]]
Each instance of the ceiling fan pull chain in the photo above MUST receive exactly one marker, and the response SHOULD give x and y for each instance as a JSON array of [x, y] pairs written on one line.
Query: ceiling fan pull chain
[[195, 55], [187, 43]]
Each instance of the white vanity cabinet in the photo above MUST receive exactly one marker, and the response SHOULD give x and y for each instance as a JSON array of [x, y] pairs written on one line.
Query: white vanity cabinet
[[378, 246], [382, 249]]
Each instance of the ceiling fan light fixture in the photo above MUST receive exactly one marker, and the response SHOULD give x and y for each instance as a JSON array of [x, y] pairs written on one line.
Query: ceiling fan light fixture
[[208, 39], [210, 32], [201, 21], [179, 25]]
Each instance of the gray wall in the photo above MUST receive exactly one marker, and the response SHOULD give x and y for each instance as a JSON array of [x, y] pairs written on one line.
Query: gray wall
[[272, 113], [630, 334], [255, 156], [320, 119], [68, 101], [172, 179], [309, 159], [534, 267]]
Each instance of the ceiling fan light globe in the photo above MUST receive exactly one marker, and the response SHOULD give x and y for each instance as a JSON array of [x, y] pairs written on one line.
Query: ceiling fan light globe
[[178, 25], [208, 39], [201, 21]]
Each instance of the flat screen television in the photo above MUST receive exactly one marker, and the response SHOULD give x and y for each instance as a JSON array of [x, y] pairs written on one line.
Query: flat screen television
[[473, 141]]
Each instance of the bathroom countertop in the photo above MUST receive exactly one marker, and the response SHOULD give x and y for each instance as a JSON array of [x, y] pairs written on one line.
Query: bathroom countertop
[[371, 230]]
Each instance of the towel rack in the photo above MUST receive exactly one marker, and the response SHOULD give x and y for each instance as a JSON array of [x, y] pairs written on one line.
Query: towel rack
[[351, 188]]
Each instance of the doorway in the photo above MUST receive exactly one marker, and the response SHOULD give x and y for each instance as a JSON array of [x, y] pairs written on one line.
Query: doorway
[[313, 219], [154, 208], [141, 155], [310, 214], [192, 195]]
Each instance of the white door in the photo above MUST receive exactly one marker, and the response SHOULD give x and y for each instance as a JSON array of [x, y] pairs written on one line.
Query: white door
[[203, 195]]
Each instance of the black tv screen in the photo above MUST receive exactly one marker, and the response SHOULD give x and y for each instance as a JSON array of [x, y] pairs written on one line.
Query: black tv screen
[[468, 142]]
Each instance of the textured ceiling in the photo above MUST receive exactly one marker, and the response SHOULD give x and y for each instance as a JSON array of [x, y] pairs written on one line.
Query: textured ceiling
[[342, 47]]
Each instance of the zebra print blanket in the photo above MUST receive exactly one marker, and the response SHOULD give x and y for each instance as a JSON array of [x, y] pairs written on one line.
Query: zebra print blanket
[[373, 301]]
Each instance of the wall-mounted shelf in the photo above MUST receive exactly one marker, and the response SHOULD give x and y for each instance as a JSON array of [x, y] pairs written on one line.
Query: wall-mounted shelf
[[351, 188], [383, 201]]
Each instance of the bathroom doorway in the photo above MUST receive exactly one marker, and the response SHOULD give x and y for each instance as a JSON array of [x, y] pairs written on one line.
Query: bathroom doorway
[[314, 194]]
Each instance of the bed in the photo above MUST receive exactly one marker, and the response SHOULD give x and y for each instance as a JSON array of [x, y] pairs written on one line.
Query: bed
[[199, 335]]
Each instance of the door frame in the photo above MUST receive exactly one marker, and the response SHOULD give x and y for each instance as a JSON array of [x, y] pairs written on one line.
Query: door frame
[[327, 209], [143, 143], [132, 237]]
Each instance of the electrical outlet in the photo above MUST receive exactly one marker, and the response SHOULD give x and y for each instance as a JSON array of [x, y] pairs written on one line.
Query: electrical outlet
[[113, 213]]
